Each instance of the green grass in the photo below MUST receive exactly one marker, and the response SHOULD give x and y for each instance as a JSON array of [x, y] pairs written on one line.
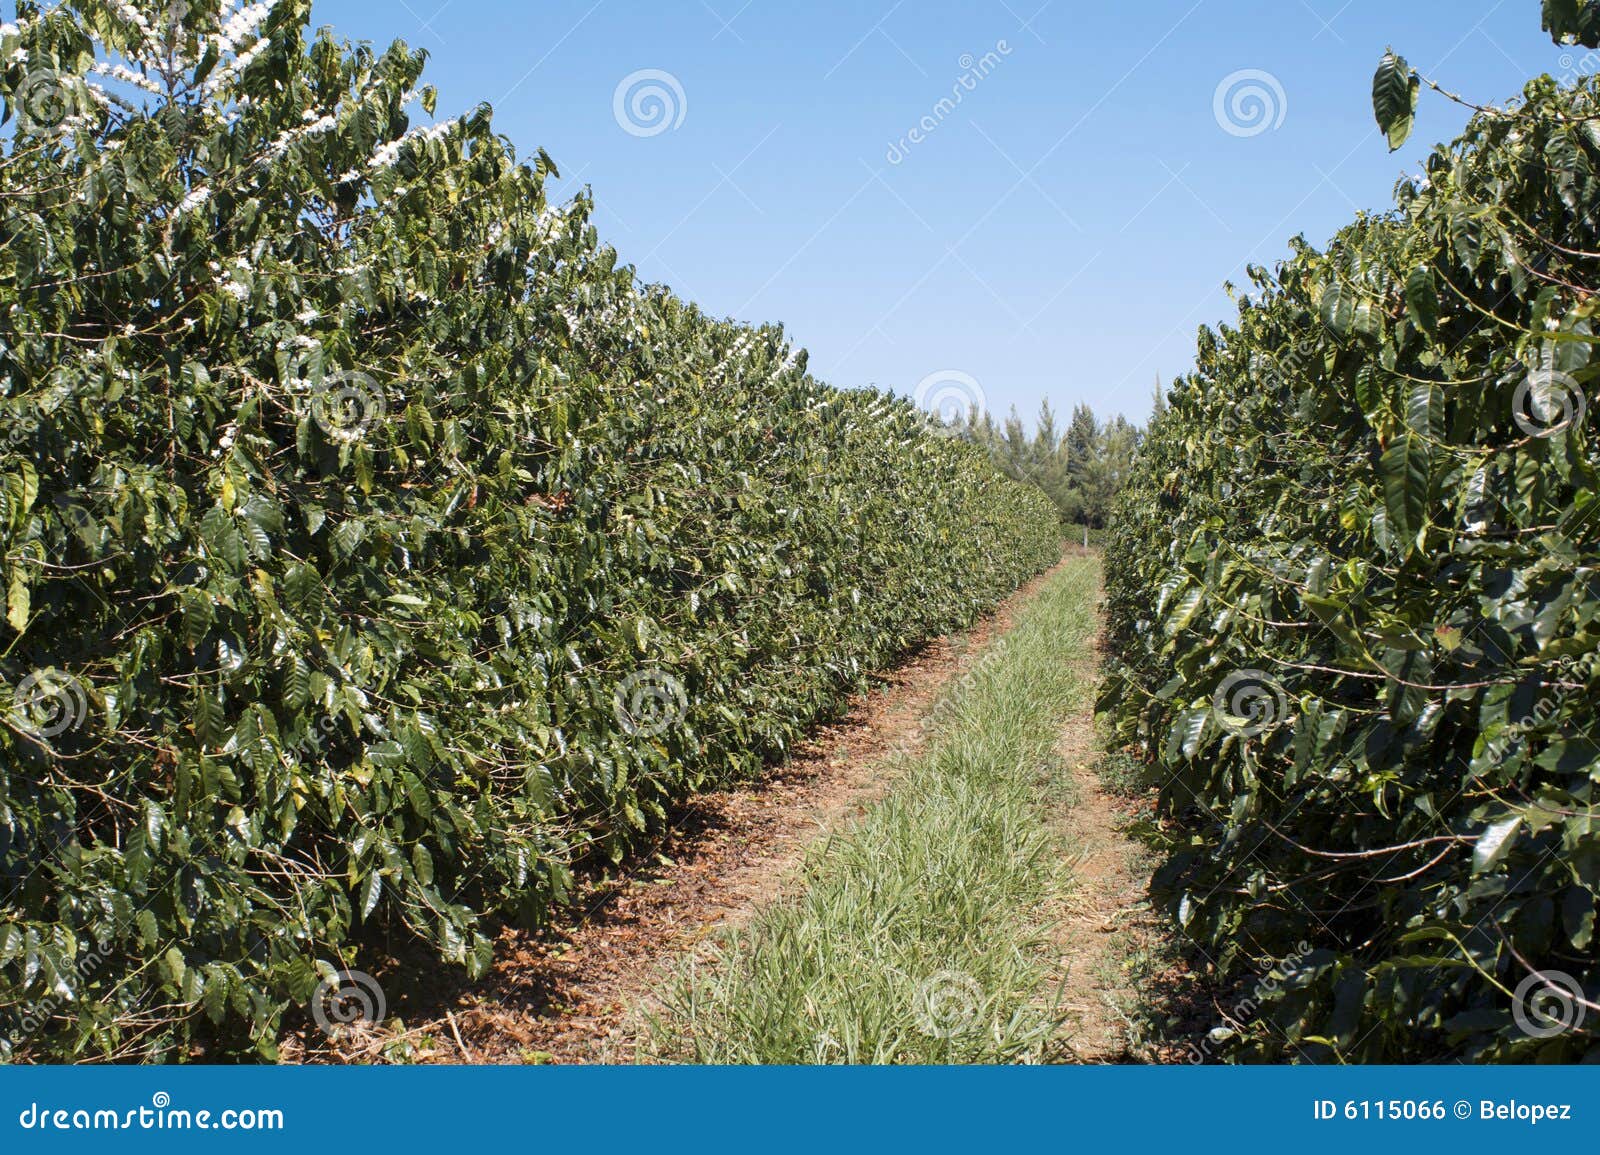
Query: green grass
[[914, 935]]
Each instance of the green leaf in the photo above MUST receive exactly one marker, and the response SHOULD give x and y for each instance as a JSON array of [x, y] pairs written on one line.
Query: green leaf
[[1188, 733], [1422, 299], [1394, 98], [209, 724], [1184, 609], [199, 614], [1573, 21], [1338, 309], [173, 966], [302, 584], [215, 997], [1425, 411], [371, 893], [1494, 842], [1406, 469], [422, 864], [1578, 915], [193, 985], [18, 600]]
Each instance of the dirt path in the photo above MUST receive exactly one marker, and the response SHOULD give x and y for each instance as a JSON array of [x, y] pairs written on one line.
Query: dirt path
[[565, 997], [1104, 921]]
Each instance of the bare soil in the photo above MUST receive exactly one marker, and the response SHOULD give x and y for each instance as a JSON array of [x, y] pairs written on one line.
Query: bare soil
[[1103, 923]]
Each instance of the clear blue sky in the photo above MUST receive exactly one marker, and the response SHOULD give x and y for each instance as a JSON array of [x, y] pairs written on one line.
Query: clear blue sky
[[1062, 231]]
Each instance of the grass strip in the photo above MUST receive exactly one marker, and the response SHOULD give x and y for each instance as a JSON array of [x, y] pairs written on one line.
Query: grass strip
[[914, 934]]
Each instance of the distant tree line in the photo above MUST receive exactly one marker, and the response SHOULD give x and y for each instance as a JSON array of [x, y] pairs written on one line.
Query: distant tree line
[[1080, 467]]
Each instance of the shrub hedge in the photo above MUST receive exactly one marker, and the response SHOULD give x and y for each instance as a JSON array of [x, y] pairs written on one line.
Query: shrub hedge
[[1355, 614], [375, 549]]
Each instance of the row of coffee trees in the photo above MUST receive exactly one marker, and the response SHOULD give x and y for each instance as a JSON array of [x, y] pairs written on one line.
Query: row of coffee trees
[[377, 552], [1355, 610]]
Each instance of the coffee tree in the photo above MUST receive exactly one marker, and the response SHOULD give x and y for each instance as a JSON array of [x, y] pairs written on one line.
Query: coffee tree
[[1354, 610], [376, 550]]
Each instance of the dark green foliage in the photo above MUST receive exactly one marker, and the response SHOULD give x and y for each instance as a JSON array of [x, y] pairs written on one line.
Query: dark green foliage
[[343, 483], [1394, 98], [1573, 21], [1355, 612], [1080, 469]]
